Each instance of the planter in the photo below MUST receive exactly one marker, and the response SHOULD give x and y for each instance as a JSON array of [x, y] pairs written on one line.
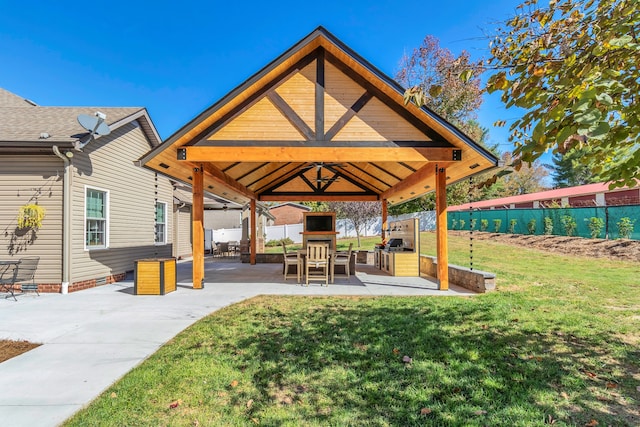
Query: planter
[[155, 276]]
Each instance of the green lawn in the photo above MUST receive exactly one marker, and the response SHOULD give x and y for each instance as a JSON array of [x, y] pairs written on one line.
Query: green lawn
[[558, 343]]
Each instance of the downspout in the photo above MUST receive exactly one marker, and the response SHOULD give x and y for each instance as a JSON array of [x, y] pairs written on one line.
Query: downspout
[[66, 221]]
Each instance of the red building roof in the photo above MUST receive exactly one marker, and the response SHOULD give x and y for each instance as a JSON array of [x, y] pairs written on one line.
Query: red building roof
[[556, 194]]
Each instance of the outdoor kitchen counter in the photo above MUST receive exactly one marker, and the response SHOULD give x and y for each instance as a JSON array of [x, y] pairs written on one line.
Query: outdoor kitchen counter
[[398, 263]]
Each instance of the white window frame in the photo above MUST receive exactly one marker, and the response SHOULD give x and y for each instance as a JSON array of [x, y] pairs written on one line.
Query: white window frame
[[106, 219], [164, 225]]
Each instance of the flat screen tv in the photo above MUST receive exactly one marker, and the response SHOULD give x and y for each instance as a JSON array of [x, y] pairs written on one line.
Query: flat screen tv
[[319, 223]]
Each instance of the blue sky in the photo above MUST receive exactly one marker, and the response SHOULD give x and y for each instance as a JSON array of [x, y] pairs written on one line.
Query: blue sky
[[176, 58]]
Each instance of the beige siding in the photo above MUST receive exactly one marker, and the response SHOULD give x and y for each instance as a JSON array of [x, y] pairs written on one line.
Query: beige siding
[[182, 232], [23, 180], [107, 164]]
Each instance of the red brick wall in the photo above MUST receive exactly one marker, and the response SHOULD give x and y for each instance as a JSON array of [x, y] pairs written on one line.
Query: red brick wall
[[78, 286], [586, 200], [287, 214], [626, 197]]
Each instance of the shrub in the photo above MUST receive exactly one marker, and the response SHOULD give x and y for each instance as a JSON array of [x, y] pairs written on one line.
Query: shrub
[[496, 225], [462, 224], [595, 226], [569, 224], [531, 226], [625, 227], [454, 224], [548, 225], [273, 243], [484, 224], [512, 225], [472, 224]]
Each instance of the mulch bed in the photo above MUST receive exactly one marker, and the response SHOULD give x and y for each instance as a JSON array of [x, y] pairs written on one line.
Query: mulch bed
[[9, 348]]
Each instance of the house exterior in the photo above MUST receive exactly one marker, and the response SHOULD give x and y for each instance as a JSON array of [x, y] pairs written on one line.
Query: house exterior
[[288, 213], [102, 211], [580, 196]]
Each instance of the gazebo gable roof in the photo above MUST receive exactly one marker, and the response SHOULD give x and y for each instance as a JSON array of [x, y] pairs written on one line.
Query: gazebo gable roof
[[318, 123]]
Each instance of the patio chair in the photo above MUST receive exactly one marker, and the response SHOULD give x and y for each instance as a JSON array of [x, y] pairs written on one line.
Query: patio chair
[[318, 260], [290, 259], [8, 273], [215, 249], [342, 259], [26, 273]]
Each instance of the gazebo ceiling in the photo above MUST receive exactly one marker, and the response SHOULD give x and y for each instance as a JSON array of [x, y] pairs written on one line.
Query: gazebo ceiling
[[318, 123]]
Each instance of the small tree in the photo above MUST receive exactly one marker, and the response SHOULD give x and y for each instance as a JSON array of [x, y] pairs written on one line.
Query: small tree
[[625, 227], [454, 224], [569, 224], [548, 225], [359, 213], [595, 226], [462, 224], [531, 226], [484, 224], [496, 225], [512, 225], [472, 224]]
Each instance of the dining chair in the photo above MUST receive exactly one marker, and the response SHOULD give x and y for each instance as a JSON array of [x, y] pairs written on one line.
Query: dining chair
[[290, 259], [317, 262], [343, 259]]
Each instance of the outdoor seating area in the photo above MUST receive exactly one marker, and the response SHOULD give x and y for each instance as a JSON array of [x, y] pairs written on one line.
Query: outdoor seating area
[[18, 276], [317, 262], [225, 249]]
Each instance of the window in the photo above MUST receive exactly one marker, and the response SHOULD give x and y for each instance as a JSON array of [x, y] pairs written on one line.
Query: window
[[96, 218], [161, 223]]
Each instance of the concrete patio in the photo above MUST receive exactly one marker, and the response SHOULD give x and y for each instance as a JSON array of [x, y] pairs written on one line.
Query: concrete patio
[[94, 337]]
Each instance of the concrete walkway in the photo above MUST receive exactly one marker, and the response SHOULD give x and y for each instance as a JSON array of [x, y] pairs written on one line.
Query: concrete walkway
[[94, 337]]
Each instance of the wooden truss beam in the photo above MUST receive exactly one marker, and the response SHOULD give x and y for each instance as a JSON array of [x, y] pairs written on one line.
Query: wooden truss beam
[[328, 153], [220, 177], [306, 197]]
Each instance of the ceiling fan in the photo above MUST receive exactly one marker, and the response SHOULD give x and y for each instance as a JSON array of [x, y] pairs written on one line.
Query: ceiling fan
[[320, 165], [324, 179]]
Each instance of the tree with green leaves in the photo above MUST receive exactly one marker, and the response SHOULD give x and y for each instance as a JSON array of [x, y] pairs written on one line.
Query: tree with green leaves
[[569, 170], [573, 67], [443, 82], [435, 78]]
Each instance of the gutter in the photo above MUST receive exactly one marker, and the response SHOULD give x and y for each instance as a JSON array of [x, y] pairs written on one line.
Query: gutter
[[66, 219]]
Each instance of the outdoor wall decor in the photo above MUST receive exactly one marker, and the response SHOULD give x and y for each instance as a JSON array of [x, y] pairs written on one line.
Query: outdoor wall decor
[[30, 216]]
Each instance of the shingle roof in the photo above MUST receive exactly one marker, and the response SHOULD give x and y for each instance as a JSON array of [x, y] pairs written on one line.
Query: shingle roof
[[8, 99], [24, 122]]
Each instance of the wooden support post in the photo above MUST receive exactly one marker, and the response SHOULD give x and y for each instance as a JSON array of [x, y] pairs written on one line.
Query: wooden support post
[[442, 251], [198, 228], [384, 219], [254, 233]]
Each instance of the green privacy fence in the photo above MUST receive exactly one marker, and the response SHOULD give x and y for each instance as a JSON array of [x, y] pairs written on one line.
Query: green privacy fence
[[558, 217]]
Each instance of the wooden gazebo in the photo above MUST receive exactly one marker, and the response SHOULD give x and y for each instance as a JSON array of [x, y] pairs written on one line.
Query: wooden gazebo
[[319, 123]]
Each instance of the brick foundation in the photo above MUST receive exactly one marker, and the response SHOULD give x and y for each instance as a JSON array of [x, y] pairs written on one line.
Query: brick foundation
[[78, 286]]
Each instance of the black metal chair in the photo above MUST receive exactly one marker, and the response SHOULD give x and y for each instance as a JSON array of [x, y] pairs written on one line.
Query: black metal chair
[[8, 274], [26, 273]]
